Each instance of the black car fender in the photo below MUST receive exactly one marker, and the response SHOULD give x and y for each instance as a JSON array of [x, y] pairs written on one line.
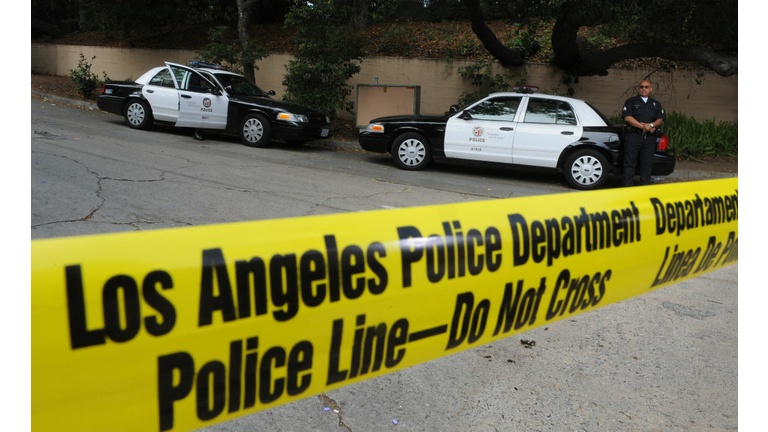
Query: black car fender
[[609, 154], [237, 111], [436, 142]]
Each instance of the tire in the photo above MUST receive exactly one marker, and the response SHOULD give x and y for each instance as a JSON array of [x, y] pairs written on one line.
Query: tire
[[255, 131], [411, 151], [586, 169], [137, 114]]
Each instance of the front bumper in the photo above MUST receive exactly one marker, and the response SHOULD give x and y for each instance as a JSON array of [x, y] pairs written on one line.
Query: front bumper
[[298, 132], [374, 142]]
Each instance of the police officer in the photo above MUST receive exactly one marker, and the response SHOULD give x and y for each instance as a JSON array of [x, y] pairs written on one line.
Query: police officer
[[643, 115]]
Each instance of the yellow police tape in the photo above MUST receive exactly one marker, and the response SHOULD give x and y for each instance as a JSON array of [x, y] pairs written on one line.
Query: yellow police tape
[[181, 328]]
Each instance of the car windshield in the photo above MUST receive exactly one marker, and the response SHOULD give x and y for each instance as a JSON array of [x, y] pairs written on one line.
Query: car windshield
[[239, 86]]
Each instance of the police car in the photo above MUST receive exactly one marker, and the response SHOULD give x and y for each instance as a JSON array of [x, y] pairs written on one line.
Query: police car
[[522, 128], [208, 96]]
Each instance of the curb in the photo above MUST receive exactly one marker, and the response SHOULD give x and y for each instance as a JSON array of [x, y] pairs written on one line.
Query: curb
[[681, 175]]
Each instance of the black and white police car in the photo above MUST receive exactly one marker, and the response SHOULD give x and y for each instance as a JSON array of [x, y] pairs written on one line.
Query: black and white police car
[[522, 128], [208, 96]]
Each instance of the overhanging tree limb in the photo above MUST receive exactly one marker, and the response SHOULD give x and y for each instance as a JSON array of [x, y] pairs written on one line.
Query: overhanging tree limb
[[506, 56], [598, 63], [569, 49]]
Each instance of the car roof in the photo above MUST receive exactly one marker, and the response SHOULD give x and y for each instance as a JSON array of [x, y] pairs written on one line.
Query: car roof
[[586, 113]]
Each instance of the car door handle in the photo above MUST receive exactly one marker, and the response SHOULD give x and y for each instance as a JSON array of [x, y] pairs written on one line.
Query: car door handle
[[150, 91], [507, 129], [186, 96], [566, 133]]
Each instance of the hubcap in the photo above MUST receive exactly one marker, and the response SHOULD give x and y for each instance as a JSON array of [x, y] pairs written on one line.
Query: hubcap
[[253, 130], [587, 170], [412, 152], [135, 114]]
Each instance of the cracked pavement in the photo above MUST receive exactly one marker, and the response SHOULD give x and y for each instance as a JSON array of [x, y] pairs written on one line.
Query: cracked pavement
[[666, 360]]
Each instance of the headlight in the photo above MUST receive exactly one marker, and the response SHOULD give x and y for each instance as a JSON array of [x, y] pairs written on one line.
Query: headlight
[[375, 127], [298, 118]]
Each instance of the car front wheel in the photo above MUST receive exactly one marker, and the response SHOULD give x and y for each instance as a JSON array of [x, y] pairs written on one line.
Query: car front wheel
[[138, 115], [255, 131], [411, 152], [586, 169]]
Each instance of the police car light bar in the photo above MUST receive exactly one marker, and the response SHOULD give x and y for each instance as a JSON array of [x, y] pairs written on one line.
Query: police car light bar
[[199, 64], [525, 89]]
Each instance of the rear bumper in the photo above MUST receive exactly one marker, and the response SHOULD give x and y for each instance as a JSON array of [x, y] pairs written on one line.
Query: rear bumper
[[111, 104], [663, 164]]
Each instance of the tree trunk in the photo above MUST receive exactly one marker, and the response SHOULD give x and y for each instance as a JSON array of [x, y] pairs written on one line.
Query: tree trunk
[[244, 16]]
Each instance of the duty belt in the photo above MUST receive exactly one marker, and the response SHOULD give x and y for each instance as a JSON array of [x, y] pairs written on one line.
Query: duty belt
[[639, 131]]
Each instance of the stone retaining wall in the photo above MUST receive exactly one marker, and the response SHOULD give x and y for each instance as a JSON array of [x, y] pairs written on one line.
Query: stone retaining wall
[[715, 97]]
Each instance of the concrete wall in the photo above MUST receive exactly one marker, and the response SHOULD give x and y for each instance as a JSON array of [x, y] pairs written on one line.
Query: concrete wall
[[715, 96]]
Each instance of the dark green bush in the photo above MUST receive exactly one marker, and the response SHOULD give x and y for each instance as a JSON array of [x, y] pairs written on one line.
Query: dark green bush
[[689, 137], [85, 81], [328, 53]]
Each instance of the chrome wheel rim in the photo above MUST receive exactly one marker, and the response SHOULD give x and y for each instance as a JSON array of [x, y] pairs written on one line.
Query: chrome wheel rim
[[412, 152], [135, 114], [253, 130], [587, 170]]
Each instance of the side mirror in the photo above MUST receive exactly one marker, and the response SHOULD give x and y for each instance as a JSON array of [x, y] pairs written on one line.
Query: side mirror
[[271, 93], [453, 109], [465, 115]]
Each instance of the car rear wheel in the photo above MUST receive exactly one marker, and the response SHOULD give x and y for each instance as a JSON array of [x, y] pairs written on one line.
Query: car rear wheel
[[255, 131], [411, 151], [586, 169], [138, 115]]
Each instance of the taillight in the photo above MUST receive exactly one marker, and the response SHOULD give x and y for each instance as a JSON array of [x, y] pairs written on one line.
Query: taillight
[[103, 87], [663, 143]]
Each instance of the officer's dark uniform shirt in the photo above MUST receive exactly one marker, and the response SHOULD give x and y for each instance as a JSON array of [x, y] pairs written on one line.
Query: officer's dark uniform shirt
[[644, 112]]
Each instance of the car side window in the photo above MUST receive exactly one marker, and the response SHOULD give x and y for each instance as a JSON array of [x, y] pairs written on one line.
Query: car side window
[[498, 109], [162, 79], [549, 111], [191, 81]]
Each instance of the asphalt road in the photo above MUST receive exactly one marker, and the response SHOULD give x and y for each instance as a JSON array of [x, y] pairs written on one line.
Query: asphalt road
[[664, 361]]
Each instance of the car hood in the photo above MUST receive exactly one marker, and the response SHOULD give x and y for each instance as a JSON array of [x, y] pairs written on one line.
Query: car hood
[[276, 104], [412, 118]]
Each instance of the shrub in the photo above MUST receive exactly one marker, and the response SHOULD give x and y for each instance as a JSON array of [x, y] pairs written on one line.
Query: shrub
[[85, 81], [480, 75], [223, 48], [688, 137], [327, 55], [708, 138]]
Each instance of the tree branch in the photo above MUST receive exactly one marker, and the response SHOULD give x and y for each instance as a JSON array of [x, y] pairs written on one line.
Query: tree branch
[[506, 56]]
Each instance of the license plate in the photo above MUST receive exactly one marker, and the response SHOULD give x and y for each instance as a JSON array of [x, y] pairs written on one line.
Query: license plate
[[324, 133]]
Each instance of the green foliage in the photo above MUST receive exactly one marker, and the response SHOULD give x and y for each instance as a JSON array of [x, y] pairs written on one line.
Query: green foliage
[[683, 22], [328, 53], [150, 17], [396, 41], [689, 137], [480, 75], [224, 48], [85, 81], [708, 138]]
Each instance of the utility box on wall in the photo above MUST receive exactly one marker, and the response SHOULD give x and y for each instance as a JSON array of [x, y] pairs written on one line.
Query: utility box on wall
[[377, 100]]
